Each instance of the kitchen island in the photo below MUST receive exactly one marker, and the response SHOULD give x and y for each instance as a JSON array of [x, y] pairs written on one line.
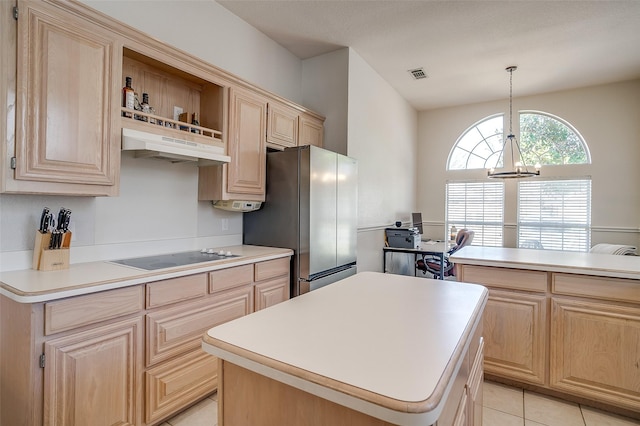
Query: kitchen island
[[372, 349], [564, 323]]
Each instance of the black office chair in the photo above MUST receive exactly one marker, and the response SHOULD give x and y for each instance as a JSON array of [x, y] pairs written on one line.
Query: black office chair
[[431, 263]]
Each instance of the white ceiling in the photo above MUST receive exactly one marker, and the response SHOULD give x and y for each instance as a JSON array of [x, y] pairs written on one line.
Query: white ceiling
[[464, 46]]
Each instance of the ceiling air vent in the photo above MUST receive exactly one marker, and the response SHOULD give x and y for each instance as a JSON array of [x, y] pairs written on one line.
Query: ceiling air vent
[[418, 73]]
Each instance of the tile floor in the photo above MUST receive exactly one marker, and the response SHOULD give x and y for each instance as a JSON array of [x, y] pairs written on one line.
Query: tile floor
[[503, 406]]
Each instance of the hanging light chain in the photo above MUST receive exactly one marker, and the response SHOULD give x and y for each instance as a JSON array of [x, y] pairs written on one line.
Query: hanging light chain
[[511, 69]]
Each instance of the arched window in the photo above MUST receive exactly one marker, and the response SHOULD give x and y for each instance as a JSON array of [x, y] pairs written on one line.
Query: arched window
[[544, 139], [549, 140], [552, 213], [479, 146]]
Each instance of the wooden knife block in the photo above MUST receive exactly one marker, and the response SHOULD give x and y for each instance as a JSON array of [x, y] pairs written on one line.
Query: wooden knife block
[[45, 259]]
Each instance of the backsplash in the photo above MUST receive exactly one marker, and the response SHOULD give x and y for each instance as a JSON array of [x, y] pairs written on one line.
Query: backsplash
[[157, 211]]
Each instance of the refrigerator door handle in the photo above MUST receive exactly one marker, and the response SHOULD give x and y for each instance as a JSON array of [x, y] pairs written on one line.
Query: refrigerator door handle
[[327, 277], [328, 272]]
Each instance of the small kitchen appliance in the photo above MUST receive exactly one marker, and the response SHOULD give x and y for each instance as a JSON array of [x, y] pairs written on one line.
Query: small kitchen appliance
[[403, 237]]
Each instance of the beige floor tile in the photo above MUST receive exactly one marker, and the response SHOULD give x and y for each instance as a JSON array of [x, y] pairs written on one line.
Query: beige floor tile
[[551, 411], [503, 398], [491, 417], [165, 424], [214, 397], [593, 417], [204, 413], [532, 423]]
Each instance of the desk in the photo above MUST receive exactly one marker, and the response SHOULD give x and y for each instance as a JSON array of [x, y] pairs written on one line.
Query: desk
[[433, 248]]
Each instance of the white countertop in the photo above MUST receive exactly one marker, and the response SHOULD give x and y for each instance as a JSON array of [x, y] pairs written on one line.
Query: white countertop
[[605, 265], [390, 335], [30, 286]]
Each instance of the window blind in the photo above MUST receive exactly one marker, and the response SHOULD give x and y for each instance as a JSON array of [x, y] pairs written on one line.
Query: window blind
[[555, 214], [477, 206]]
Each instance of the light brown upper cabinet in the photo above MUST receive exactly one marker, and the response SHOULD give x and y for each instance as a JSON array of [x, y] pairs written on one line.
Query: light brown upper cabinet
[[288, 126], [67, 109], [244, 178], [282, 127], [311, 130]]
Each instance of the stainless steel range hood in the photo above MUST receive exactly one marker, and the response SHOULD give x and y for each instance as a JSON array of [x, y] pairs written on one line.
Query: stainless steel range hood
[[151, 145]]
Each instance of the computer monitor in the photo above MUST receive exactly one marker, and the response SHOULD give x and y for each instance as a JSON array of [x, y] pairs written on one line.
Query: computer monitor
[[417, 221]]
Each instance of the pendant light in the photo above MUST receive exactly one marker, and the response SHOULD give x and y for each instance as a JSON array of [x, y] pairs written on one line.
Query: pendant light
[[520, 169]]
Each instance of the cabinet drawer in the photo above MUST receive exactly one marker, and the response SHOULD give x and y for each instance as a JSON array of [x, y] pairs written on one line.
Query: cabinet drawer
[[175, 384], [517, 279], [175, 290], [84, 310], [229, 278], [179, 329], [598, 287], [272, 292], [272, 268]]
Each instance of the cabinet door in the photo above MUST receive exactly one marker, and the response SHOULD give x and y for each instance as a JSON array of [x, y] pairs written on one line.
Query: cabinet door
[[476, 381], [67, 102], [311, 131], [282, 127], [271, 292], [93, 377], [175, 384], [515, 337], [247, 143], [595, 351]]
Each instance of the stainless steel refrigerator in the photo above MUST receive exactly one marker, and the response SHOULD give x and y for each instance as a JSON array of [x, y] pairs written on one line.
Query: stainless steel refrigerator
[[311, 208]]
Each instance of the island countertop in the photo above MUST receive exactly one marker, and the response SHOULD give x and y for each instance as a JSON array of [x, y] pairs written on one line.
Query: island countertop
[[31, 286], [596, 264], [382, 344]]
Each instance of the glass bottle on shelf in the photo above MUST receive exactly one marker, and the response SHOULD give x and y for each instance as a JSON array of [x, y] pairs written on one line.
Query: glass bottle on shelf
[[196, 122], [147, 109], [137, 106], [145, 106], [128, 98], [454, 233]]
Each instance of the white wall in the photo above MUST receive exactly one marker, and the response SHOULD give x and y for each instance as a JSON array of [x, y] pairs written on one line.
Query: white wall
[[607, 116], [157, 210], [382, 135], [325, 85]]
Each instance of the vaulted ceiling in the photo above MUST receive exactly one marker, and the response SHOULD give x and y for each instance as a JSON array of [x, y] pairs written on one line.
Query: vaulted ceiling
[[463, 46]]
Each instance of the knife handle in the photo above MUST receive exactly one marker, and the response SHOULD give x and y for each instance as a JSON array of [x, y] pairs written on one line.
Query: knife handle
[[44, 218]]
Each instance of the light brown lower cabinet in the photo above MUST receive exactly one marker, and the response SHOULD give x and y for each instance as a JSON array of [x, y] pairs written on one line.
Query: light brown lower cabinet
[[515, 326], [578, 335], [128, 356], [464, 405], [272, 292], [93, 377], [183, 379], [595, 351]]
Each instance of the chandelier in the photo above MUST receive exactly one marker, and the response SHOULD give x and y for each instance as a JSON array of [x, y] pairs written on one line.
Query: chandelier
[[520, 169]]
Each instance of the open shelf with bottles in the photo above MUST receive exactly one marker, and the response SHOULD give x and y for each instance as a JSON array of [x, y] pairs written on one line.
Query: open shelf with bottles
[[177, 129], [173, 91]]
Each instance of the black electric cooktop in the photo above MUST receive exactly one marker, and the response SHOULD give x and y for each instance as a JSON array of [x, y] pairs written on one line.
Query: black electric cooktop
[[171, 260]]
